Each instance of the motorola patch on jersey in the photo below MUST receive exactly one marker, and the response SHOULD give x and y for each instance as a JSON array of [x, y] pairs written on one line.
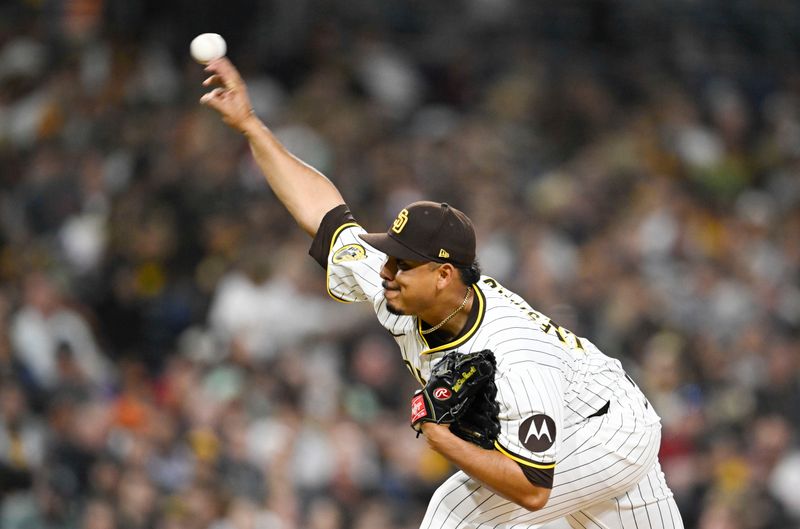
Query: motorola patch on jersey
[[537, 433], [350, 252]]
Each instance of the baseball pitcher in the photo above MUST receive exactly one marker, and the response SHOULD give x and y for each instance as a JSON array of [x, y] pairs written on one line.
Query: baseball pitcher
[[541, 424]]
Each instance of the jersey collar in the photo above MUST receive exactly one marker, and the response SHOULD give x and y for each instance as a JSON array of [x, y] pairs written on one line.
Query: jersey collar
[[481, 299]]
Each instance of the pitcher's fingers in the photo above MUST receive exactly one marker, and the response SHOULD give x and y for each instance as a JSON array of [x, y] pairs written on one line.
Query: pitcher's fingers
[[210, 96], [214, 79], [227, 72]]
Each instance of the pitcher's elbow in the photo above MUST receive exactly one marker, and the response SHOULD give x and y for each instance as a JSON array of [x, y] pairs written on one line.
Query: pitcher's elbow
[[533, 504], [536, 501]]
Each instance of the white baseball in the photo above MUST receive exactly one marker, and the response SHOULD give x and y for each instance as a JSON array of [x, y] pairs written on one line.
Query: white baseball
[[207, 47]]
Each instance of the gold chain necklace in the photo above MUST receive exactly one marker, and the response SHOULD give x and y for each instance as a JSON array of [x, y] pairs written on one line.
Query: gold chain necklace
[[451, 316]]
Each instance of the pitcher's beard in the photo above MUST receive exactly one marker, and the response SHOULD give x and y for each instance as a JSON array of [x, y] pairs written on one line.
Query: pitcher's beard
[[394, 310]]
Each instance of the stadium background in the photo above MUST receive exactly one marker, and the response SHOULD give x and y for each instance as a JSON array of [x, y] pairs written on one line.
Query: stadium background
[[168, 358]]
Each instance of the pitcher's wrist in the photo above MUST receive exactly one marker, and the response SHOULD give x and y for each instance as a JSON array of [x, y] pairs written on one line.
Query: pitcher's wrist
[[250, 125]]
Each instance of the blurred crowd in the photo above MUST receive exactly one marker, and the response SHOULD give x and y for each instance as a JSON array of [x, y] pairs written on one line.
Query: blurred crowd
[[168, 356]]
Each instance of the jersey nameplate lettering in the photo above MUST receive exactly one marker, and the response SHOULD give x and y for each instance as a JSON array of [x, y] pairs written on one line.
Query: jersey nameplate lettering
[[548, 326]]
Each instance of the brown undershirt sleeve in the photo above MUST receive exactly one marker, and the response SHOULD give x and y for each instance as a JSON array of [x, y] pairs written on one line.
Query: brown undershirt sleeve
[[541, 477], [321, 245]]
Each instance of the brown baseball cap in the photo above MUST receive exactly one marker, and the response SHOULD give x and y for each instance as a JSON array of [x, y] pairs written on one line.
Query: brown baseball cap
[[428, 231]]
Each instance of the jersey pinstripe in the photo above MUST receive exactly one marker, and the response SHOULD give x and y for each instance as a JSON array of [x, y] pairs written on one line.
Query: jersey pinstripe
[[551, 386]]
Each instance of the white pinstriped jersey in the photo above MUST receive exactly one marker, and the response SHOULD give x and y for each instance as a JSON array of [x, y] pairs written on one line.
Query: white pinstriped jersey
[[548, 379], [569, 415]]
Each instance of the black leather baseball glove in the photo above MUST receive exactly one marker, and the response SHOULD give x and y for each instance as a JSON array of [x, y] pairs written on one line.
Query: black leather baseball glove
[[461, 392], [479, 423]]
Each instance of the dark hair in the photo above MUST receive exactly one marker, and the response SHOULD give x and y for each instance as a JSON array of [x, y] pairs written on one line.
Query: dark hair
[[470, 274]]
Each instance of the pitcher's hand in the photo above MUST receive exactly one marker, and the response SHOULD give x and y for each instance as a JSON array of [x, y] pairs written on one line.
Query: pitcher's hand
[[229, 97]]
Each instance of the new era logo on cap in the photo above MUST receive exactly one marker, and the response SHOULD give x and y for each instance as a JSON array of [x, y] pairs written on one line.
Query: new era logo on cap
[[428, 231]]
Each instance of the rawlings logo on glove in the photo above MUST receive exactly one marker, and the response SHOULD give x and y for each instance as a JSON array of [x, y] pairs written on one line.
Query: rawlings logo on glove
[[442, 393], [461, 393]]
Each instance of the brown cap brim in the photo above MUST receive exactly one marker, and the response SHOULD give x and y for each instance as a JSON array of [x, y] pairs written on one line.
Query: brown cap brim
[[392, 247]]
